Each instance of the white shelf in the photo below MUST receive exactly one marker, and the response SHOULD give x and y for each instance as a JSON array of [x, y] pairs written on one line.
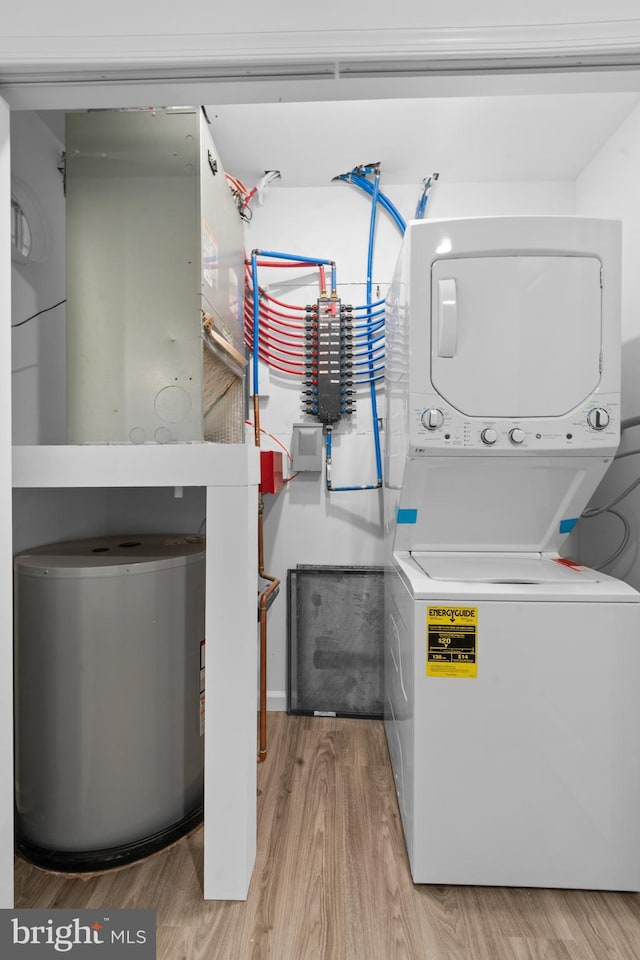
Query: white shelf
[[132, 465], [230, 473]]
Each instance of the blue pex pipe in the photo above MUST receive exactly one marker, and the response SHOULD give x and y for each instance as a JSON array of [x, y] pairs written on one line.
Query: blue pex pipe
[[384, 201], [256, 318], [367, 187], [364, 329], [374, 319], [368, 336], [365, 306], [374, 401], [363, 350], [369, 486], [314, 261], [369, 372], [370, 326], [367, 363], [424, 197]]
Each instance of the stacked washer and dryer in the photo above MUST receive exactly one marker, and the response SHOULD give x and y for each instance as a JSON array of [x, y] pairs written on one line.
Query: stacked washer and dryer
[[511, 704]]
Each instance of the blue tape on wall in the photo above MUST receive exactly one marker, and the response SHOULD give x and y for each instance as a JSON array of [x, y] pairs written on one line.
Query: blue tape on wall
[[407, 516], [566, 526]]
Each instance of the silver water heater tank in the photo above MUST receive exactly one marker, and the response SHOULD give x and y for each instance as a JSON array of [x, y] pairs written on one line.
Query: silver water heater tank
[[109, 675]]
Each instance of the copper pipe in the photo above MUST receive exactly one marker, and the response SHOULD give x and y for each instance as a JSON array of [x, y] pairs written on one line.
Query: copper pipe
[[274, 583], [256, 419], [264, 600]]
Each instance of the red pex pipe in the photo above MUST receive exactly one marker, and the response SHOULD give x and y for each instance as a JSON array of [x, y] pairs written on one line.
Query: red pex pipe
[[262, 295], [262, 292], [271, 333], [293, 338], [267, 341], [276, 313], [291, 263], [266, 338], [270, 338], [277, 366], [283, 263], [281, 303], [275, 317], [263, 346], [250, 195], [279, 350], [277, 323]]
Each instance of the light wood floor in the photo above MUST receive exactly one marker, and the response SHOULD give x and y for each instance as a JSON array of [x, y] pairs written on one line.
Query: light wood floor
[[332, 881]]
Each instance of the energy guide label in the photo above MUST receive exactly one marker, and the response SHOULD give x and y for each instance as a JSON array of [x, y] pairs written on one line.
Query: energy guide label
[[452, 641]]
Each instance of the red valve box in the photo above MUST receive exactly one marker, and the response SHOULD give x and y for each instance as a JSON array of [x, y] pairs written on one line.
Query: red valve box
[[271, 476]]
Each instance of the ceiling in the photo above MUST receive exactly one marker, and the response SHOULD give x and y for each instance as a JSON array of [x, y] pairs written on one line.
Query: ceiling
[[541, 137], [465, 139]]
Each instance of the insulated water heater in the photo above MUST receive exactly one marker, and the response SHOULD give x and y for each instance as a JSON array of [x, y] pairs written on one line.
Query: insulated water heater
[[109, 681]]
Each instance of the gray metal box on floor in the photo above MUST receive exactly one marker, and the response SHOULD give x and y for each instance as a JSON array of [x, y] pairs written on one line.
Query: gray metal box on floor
[[335, 641]]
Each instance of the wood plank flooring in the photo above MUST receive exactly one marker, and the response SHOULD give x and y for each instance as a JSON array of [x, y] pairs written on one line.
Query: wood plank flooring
[[332, 879]]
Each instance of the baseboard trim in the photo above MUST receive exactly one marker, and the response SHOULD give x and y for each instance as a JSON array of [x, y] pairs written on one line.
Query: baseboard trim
[[276, 700]]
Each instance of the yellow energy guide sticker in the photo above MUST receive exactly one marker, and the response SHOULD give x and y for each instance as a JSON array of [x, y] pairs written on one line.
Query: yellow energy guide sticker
[[452, 641]]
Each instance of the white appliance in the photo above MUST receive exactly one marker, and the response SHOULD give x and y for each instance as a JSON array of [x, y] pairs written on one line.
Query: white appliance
[[154, 244], [510, 706], [109, 690]]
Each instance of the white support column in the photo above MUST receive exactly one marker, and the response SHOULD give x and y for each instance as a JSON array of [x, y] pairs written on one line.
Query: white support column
[[6, 623], [231, 692]]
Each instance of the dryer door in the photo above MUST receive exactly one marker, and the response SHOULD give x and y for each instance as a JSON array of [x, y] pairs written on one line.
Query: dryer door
[[516, 336]]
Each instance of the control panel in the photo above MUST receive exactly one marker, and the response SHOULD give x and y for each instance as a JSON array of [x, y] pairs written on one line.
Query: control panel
[[438, 427]]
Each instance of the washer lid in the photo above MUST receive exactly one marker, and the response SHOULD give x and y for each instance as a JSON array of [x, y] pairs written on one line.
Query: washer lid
[[516, 570]]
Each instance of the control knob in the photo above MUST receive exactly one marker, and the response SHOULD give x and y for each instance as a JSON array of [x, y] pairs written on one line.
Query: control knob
[[598, 418], [432, 418], [516, 435], [489, 436]]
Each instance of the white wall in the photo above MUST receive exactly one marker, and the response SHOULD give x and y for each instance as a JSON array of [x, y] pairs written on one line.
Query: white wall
[[38, 378], [156, 510], [38, 347], [6, 619], [304, 524], [609, 187]]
